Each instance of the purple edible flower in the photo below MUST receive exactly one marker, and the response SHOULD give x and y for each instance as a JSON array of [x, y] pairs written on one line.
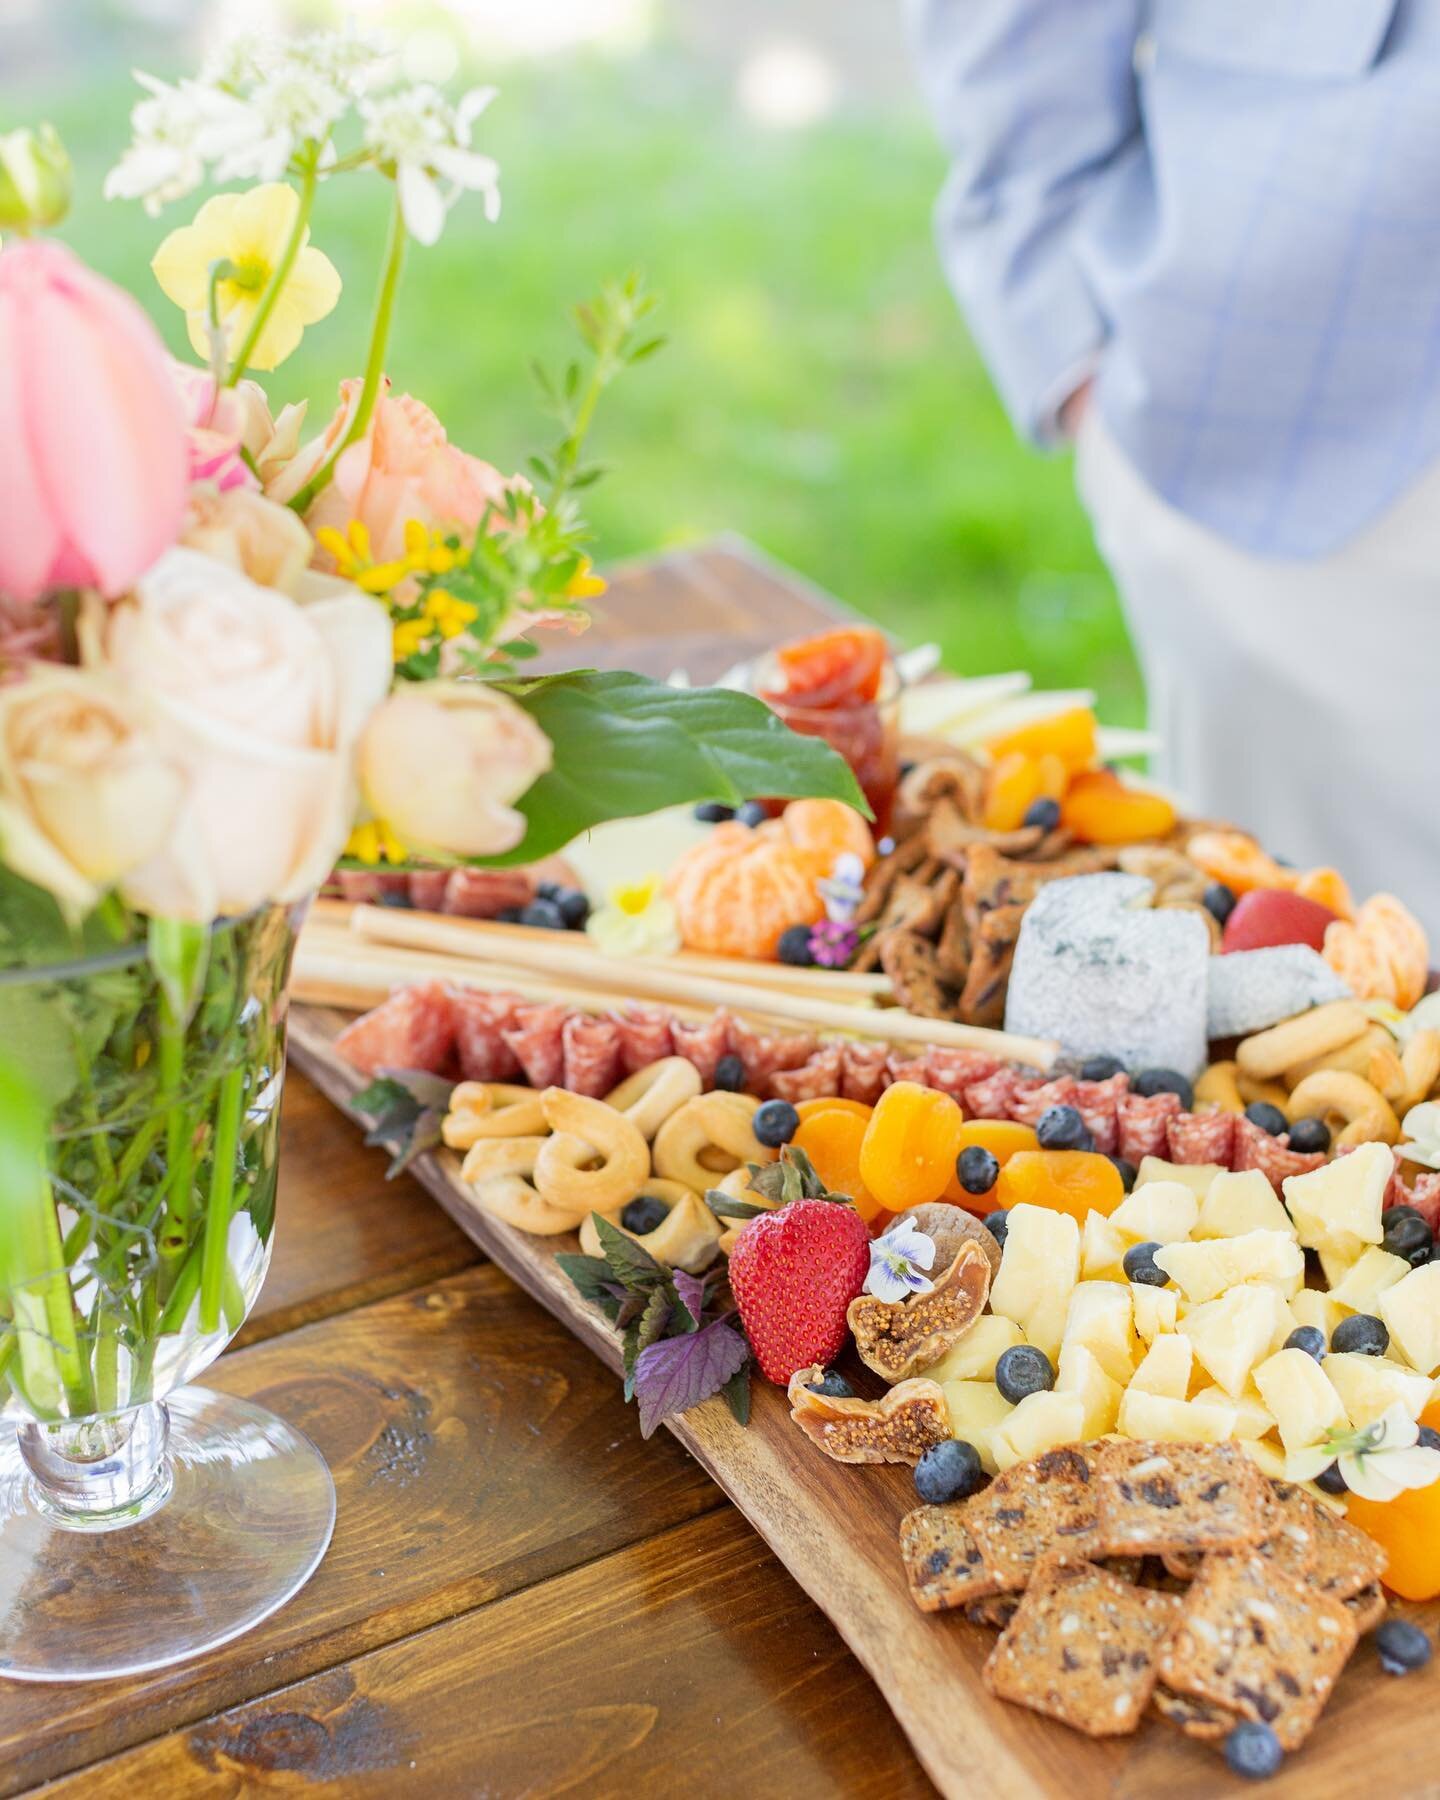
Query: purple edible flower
[[832, 944]]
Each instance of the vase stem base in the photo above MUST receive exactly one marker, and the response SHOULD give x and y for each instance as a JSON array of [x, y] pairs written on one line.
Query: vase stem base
[[247, 1518]]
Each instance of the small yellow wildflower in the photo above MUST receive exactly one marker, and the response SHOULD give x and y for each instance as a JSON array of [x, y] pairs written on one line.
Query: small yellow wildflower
[[585, 584], [375, 842], [448, 614], [408, 636], [426, 553]]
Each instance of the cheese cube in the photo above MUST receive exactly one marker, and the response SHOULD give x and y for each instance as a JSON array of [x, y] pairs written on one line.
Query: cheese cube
[[1267, 1455], [1100, 1317], [1162, 1212], [1196, 1176], [1156, 1310], [1368, 1385], [1235, 1204], [1230, 1335], [1205, 1270], [1165, 1368], [1313, 1307], [974, 1357], [1299, 1395], [1145, 1415], [976, 1408], [1367, 1278], [1080, 1373], [1339, 1257], [1038, 1271], [1039, 1423], [1411, 1310], [1102, 1250], [1252, 1416], [1341, 1200]]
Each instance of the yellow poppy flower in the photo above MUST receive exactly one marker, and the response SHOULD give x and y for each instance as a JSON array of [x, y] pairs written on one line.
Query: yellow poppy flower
[[250, 232], [637, 919]]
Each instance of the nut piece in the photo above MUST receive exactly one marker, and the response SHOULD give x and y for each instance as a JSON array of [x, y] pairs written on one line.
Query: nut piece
[[911, 1419], [898, 1338]]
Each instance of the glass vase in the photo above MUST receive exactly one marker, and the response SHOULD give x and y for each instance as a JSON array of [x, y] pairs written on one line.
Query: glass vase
[[144, 1520]]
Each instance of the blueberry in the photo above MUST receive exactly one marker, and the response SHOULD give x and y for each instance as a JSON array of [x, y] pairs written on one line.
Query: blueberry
[[1331, 1481], [1310, 1339], [997, 1225], [1392, 1213], [1407, 1237], [832, 1386], [1402, 1646], [1219, 901], [907, 768], [574, 908], [730, 1075], [1140, 1266], [1062, 1128], [1101, 1068], [794, 946], [775, 1123], [1310, 1135], [714, 812], [948, 1471], [1044, 813], [544, 913], [549, 890], [1429, 1438], [1362, 1334], [1267, 1117], [1127, 1170], [1022, 1370], [643, 1214], [977, 1168], [394, 897], [1253, 1750], [1164, 1081], [752, 813]]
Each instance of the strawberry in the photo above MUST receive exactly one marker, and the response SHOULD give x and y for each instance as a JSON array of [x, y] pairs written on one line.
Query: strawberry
[[793, 1273], [1270, 916]]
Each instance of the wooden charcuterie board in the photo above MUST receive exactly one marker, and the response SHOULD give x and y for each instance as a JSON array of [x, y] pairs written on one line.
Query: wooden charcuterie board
[[834, 1528]]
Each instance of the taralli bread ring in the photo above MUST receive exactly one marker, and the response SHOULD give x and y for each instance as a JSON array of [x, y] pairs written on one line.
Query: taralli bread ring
[[491, 1109], [1329, 1094], [649, 1096], [499, 1170], [1355, 1058], [1420, 1065], [1251, 1090], [1217, 1086], [688, 1237], [737, 1186], [716, 1125], [589, 1131], [1270, 1053]]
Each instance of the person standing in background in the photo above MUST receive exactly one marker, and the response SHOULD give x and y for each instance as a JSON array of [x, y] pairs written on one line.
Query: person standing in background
[[1202, 237]]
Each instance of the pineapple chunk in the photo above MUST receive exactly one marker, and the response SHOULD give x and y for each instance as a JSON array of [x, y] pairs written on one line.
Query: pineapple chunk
[[1341, 1200], [1156, 1310], [1196, 1176], [1233, 1333], [1313, 1307], [1102, 1250], [974, 1357], [976, 1408], [1100, 1317], [1162, 1212], [1411, 1310], [1367, 1279], [1203, 1271], [1367, 1385], [1299, 1394], [1252, 1416], [1080, 1373], [1039, 1423], [1267, 1455], [1165, 1369], [1038, 1271], [1236, 1204], [1145, 1415]]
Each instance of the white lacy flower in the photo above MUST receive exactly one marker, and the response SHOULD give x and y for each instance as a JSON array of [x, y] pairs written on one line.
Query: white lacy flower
[[176, 130], [1378, 1461], [426, 140], [896, 1261], [291, 107]]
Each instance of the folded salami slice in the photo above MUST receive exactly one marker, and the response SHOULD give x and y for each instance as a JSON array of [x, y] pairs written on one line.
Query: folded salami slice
[[703, 1042], [864, 1076], [1202, 1137], [481, 1020], [902, 1067], [765, 1053], [953, 1070], [485, 893], [645, 1037], [413, 1029], [1144, 1124], [1424, 1196], [364, 887], [591, 1047], [536, 1039], [989, 1098], [1033, 1097], [813, 1080], [427, 889], [1256, 1149], [1097, 1103]]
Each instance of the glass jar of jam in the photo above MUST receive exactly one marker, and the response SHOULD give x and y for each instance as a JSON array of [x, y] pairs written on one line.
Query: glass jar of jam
[[841, 686]]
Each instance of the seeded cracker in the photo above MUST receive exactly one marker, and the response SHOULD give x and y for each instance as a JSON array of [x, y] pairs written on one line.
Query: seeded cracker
[[1036, 1509], [1254, 1642], [1163, 1498], [942, 1561], [1310, 1543], [1082, 1648]]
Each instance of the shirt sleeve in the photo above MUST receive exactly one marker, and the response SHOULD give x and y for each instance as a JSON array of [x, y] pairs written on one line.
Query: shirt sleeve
[[1038, 109]]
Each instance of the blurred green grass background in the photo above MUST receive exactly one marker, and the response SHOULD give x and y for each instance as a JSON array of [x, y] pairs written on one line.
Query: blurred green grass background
[[818, 393]]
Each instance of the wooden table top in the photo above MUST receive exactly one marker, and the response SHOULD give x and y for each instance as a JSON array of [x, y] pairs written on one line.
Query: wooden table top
[[522, 1597]]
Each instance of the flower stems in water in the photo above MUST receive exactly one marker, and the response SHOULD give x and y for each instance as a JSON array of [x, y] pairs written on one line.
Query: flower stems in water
[[214, 1262]]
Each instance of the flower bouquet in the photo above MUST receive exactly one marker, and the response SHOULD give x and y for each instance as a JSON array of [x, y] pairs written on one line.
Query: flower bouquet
[[231, 654]]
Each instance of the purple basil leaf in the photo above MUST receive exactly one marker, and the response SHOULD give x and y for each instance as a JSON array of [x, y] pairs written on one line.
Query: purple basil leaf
[[680, 1372], [692, 1294]]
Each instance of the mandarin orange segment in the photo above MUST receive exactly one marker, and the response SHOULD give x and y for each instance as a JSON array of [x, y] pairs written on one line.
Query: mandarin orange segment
[[831, 1137], [907, 1156], [821, 830], [1070, 735], [1069, 1181], [1407, 1528], [1101, 809], [1014, 784]]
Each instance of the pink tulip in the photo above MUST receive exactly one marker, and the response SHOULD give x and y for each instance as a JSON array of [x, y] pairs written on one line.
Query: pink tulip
[[93, 455]]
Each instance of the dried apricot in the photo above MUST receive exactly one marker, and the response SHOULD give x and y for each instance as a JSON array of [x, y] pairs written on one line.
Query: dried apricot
[[1054, 776], [829, 1102], [1408, 1529], [1003, 1138], [831, 1137], [1329, 888], [907, 1156], [1238, 861], [1070, 735], [1101, 809], [1069, 1181], [1014, 783]]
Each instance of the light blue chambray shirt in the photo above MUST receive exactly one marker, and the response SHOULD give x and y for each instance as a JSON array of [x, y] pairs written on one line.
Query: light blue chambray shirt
[[1231, 208]]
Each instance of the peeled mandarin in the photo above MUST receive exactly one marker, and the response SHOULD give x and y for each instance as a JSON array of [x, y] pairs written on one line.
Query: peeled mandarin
[[1077, 1182], [831, 1137], [1099, 808], [1070, 735], [1408, 1529], [907, 1156]]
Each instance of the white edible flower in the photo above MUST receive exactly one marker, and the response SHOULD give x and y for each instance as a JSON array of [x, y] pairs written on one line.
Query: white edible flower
[[844, 888], [291, 107], [1422, 1135], [896, 1261], [426, 140], [1378, 1461]]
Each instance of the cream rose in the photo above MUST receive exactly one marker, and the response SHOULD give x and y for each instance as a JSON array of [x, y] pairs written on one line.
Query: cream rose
[[86, 791], [249, 533], [259, 701], [441, 763]]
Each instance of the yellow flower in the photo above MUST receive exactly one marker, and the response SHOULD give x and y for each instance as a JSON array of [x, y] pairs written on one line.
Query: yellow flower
[[448, 614], [375, 842], [408, 636], [249, 231], [585, 584], [426, 553], [636, 920]]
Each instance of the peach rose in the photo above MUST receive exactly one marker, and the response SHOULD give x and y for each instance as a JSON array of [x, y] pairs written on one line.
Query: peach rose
[[441, 762], [260, 702], [247, 532]]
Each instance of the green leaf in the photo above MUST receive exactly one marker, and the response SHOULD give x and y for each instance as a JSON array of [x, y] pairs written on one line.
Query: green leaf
[[737, 1395], [654, 1319], [626, 746], [590, 1274], [631, 1264], [724, 1207]]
